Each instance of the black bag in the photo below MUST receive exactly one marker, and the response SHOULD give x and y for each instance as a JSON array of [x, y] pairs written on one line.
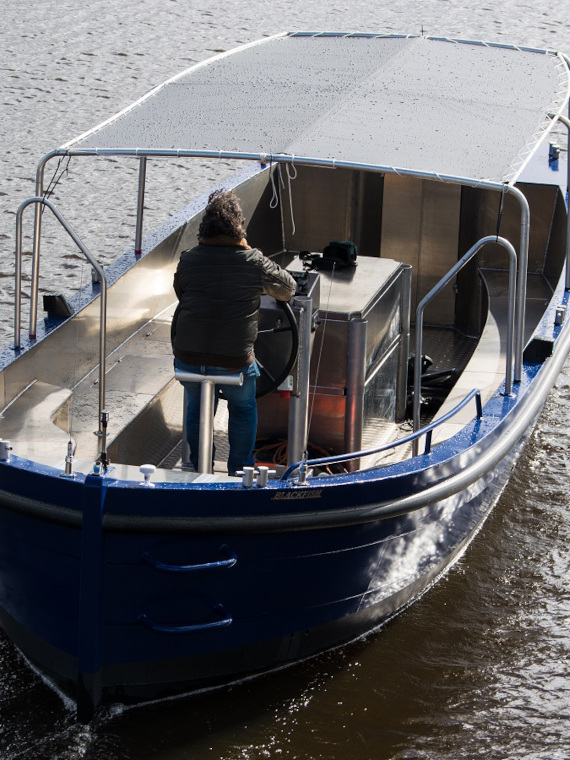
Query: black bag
[[342, 252], [339, 254]]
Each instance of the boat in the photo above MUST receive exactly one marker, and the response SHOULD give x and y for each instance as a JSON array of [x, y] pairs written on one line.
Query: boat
[[415, 189]]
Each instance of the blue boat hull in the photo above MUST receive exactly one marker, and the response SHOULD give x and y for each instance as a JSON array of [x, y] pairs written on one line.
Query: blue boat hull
[[139, 612], [119, 591]]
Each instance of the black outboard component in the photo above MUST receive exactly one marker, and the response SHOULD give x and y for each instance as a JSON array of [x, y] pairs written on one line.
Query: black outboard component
[[57, 306], [435, 386]]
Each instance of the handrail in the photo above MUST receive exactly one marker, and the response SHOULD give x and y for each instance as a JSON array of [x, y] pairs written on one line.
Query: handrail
[[140, 206], [229, 561], [427, 430], [33, 309], [224, 621], [436, 290]]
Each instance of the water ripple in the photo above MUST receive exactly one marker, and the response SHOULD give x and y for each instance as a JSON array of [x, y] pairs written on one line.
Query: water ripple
[[477, 668]]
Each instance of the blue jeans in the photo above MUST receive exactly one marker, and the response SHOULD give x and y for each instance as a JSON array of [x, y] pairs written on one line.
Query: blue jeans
[[242, 412]]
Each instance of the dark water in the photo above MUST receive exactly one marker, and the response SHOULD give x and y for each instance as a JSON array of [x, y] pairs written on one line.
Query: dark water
[[479, 666]]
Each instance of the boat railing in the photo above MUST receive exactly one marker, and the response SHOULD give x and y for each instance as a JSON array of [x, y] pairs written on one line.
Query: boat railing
[[40, 201], [473, 251], [304, 465]]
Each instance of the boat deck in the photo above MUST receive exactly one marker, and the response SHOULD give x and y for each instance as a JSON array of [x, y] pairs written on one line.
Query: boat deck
[[40, 422], [140, 380]]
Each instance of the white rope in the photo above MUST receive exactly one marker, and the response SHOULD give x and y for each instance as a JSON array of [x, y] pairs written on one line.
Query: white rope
[[274, 202], [55, 180], [289, 178]]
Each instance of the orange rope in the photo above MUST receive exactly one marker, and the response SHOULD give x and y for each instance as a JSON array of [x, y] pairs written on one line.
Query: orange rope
[[275, 452]]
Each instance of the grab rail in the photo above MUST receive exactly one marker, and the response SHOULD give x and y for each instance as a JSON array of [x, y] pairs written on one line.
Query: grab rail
[[18, 293], [427, 430], [229, 561], [436, 290], [224, 621]]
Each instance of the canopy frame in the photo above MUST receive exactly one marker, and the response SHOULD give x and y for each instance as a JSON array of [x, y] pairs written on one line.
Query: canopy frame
[[506, 186]]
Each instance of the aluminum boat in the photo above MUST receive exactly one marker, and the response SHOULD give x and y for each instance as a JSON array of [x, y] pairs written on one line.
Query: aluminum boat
[[415, 189]]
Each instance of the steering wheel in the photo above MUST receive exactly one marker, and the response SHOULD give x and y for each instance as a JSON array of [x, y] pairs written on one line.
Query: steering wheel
[[277, 344]]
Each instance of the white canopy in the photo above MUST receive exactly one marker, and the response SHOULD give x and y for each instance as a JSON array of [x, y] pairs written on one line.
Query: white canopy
[[444, 108]]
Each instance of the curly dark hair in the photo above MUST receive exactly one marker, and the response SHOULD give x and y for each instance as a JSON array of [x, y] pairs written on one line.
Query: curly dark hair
[[223, 216]]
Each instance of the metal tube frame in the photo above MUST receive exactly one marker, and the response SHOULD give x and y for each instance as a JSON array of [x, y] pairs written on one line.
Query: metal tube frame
[[39, 202], [404, 349], [140, 206], [566, 122], [276, 158], [435, 291], [355, 385], [37, 237], [280, 158], [522, 272], [264, 158], [474, 395], [207, 390], [299, 401], [207, 393]]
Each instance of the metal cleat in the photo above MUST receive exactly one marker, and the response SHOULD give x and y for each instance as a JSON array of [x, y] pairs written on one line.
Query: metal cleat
[[263, 473], [258, 477]]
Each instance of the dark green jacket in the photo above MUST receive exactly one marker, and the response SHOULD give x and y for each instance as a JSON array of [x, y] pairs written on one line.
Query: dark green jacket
[[219, 289]]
